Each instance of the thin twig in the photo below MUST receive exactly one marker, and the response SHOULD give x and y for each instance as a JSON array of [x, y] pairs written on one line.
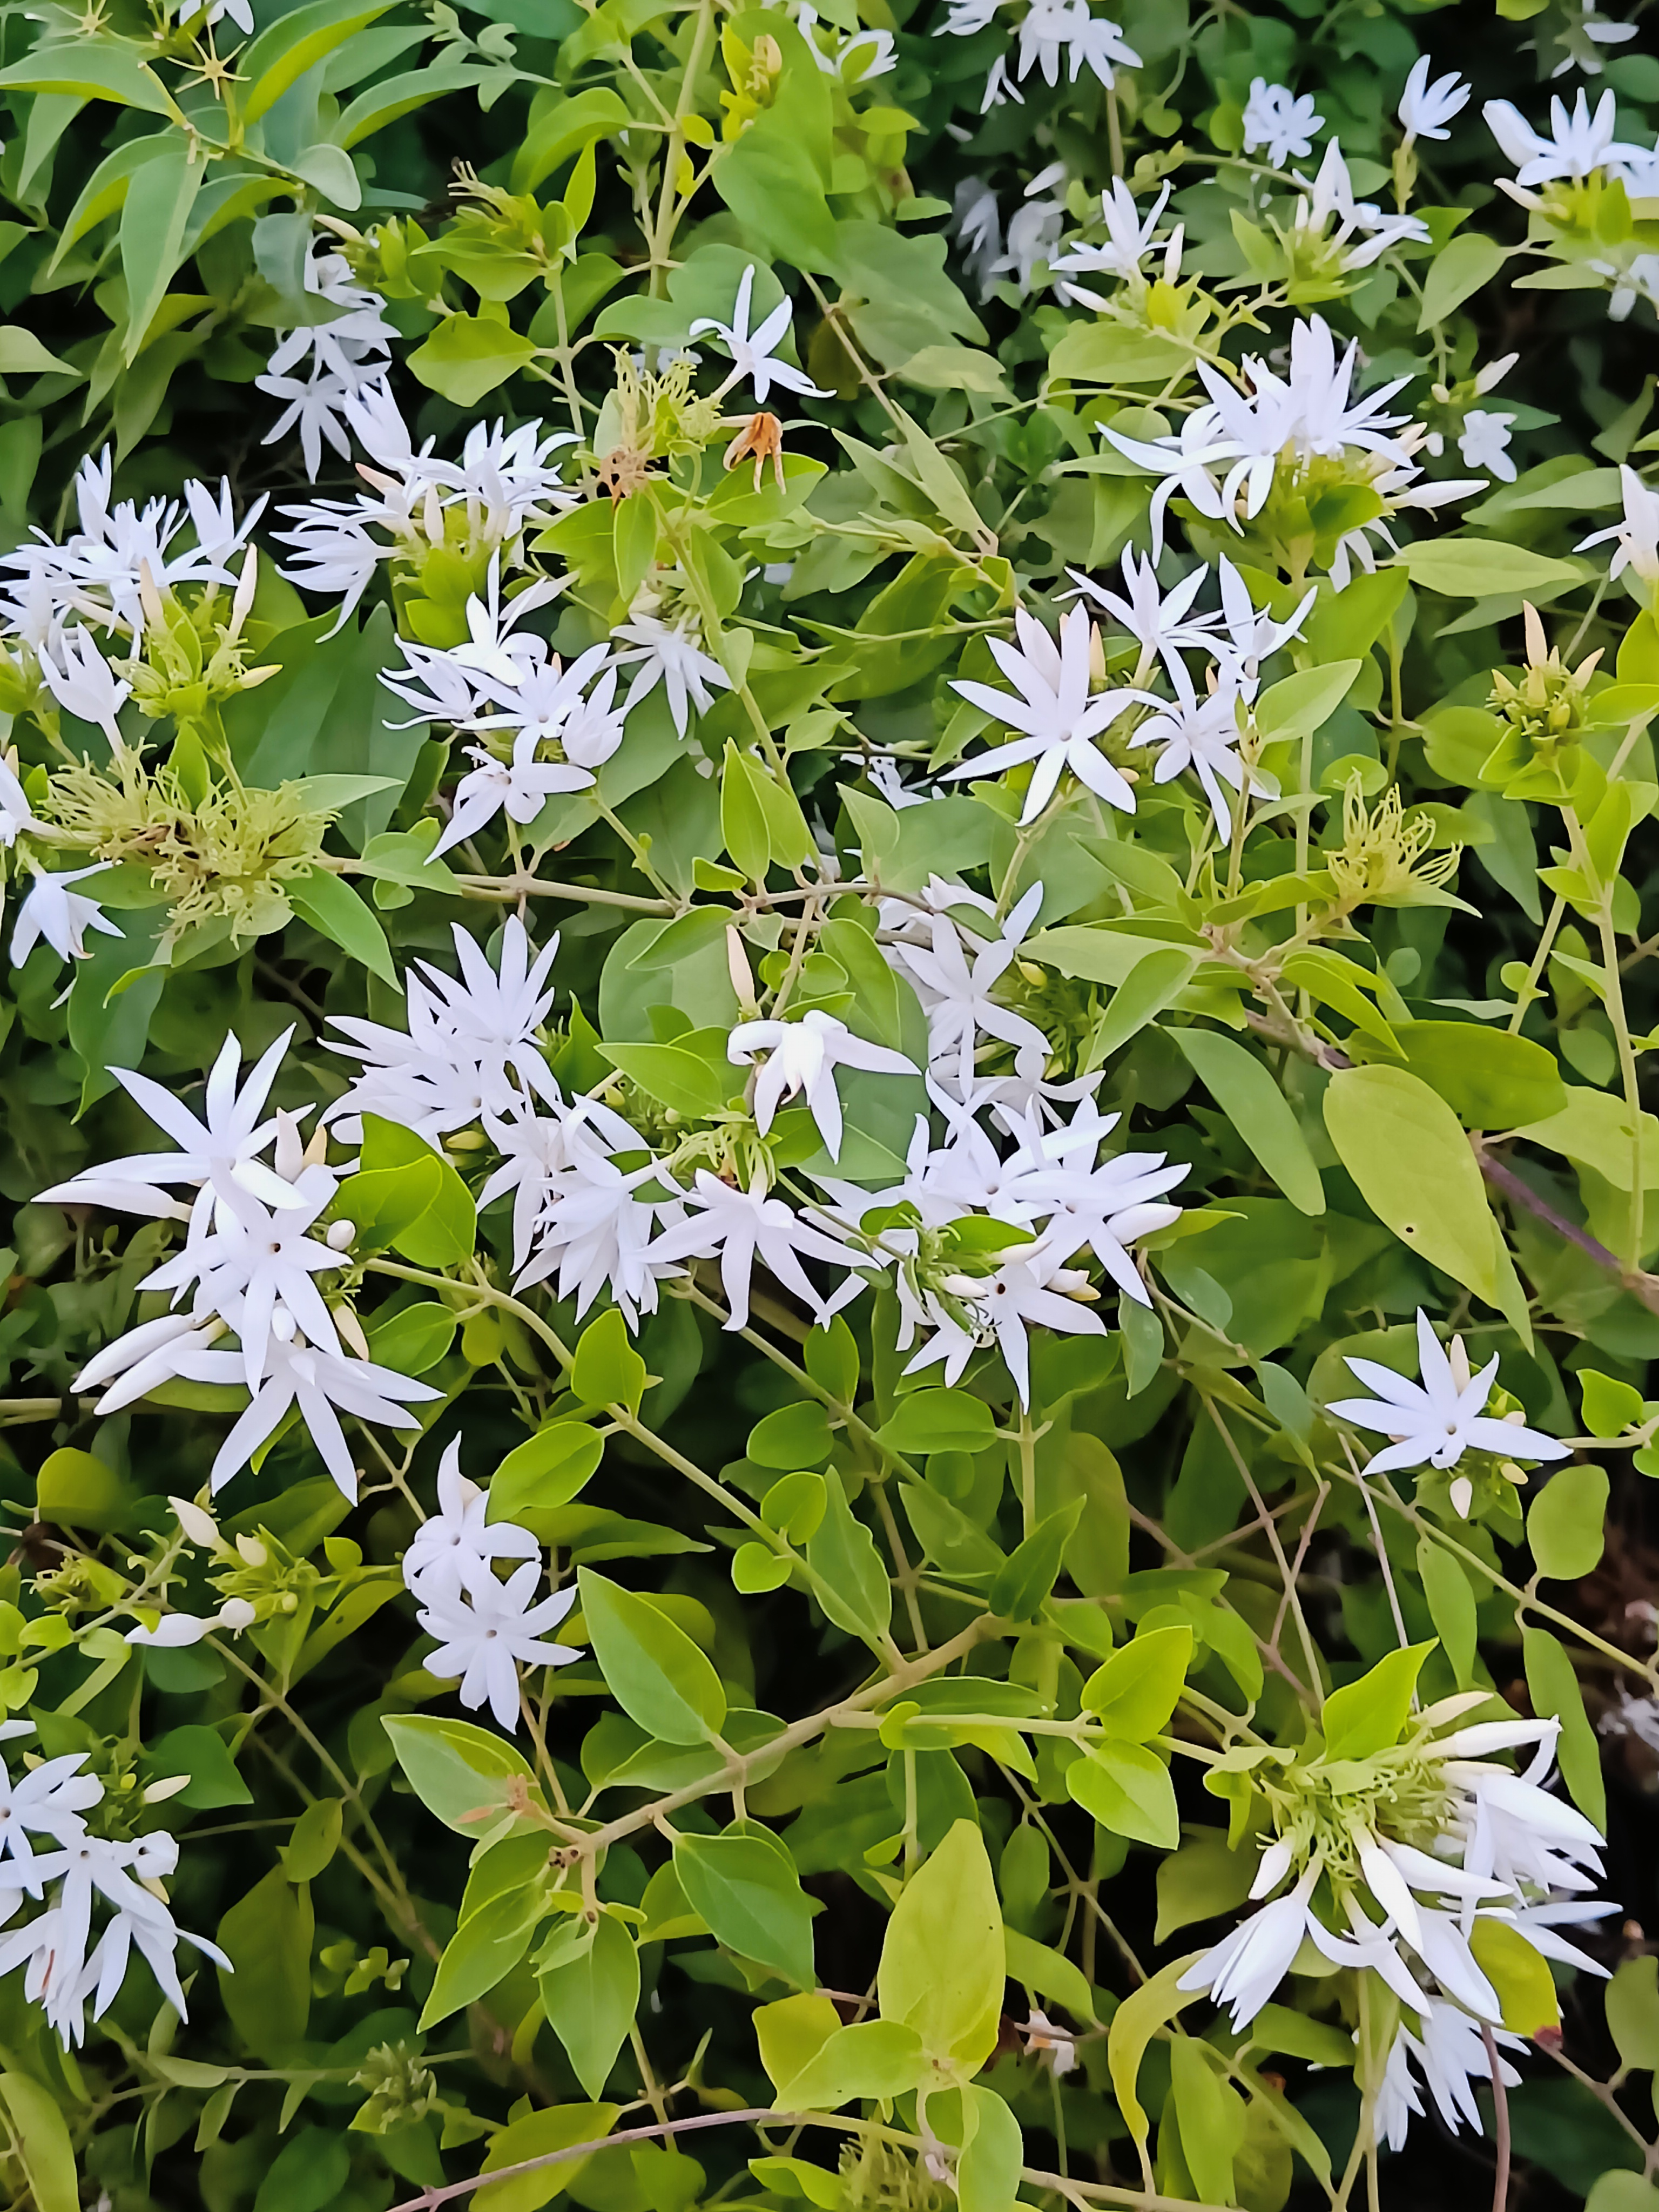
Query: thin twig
[[1500, 2187]]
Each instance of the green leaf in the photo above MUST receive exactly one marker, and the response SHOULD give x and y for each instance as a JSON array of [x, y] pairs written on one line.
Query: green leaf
[[81, 1492], [1621, 2191], [326, 901], [41, 2141], [792, 2032], [315, 1840], [308, 2172], [566, 128], [652, 1668], [407, 1195], [1210, 2116], [200, 1752], [1451, 1606], [537, 2135], [546, 1472], [1525, 1986], [872, 2058], [1566, 1522], [1135, 2022], [1610, 1407], [943, 1964], [468, 355], [1127, 1787], [1484, 568], [850, 1582], [1134, 1692], [1153, 984], [988, 2169], [1048, 1973], [1020, 1588], [1201, 1880], [267, 1935], [607, 1371], [1369, 1715], [744, 828], [91, 68], [414, 1339], [394, 97], [282, 53], [1403, 1145], [1633, 2007], [1490, 1079], [465, 1775], [332, 172], [938, 1420], [794, 1436], [591, 1999], [483, 1950], [22, 354], [1243, 1088], [745, 1885], [1298, 705], [1471, 260]]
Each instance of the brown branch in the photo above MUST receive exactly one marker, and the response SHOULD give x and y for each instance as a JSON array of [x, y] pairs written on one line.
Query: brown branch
[[1501, 1177], [1500, 2187]]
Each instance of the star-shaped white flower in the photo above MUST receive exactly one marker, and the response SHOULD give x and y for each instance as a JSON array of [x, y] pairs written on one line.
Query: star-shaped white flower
[[1058, 717], [803, 1056], [754, 352], [1434, 1422]]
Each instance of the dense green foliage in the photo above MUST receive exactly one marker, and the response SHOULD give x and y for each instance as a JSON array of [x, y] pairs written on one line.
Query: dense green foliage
[[952, 1610]]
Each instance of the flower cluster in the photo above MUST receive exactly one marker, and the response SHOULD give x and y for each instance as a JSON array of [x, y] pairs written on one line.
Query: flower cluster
[[80, 1874]]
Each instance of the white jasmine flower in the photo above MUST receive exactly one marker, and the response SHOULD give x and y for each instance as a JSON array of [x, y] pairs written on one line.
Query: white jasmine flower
[[221, 1147], [743, 1226], [486, 1630], [15, 819], [1250, 635], [61, 916], [1583, 38], [753, 353], [956, 990], [976, 227], [1637, 536], [803, 1056], [521, 786], [255, 1263], [470, 1047], [322, 1385], [549, 701], [1129, 238], [1637, 276], [1029, 1288], [86, 685], [1160, 622], [1426, 107], [1034, 231], [1331, 194], [1579, 143], [96, 572], [459, 1538], [1279, 124], [344, 359], [1434, 1422], [1501, 1844], [1484, 443], [1056, 35], [669, 654], [1450, 2054], [1241, 1972], [1058, 718], [576, 1210], [1201, 734]]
